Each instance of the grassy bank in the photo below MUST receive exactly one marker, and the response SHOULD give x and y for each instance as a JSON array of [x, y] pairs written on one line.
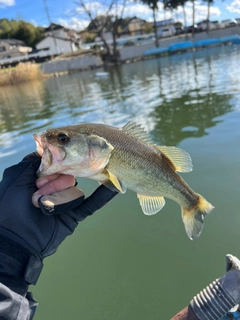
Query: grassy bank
[[23, 72]]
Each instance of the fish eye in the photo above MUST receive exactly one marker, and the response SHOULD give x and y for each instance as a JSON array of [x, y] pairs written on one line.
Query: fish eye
[[63, 138]]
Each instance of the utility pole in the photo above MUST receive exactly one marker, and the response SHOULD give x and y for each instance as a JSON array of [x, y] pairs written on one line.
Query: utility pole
[[50, 24]]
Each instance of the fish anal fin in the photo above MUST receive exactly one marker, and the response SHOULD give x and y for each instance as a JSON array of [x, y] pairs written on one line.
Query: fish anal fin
[[137, 131], [114, 181], [193, 218], [180, 159], [151, 205]]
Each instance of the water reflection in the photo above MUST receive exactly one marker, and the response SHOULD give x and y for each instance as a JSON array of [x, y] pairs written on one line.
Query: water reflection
[[19, 105], [173, 97], [185, 117]]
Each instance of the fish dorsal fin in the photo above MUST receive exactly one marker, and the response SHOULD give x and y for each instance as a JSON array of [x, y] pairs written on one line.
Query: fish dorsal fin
[[151, 205], [137, 131], [180, 159], [113, 180]]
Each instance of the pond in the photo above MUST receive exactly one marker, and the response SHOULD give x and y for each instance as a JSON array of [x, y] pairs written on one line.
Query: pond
[[120, 264]]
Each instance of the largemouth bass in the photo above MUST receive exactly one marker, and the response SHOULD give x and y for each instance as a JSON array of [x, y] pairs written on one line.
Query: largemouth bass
[[124, 159]]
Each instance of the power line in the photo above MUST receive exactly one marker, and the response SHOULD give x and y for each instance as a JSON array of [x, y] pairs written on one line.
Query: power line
[[50, 24]]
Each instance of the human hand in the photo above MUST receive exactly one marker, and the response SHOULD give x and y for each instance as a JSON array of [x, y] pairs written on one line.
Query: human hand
[[26, 234]]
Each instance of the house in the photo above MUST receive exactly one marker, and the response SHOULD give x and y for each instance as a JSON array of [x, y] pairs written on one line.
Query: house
[[134, 27], [10, 48], [165, 27], [57, 45], [59, 31], [59, 39], [129, 27]]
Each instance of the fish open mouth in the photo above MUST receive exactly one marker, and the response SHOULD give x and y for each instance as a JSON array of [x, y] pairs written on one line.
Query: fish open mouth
[[44, 152], [39, 143], [52, 155]]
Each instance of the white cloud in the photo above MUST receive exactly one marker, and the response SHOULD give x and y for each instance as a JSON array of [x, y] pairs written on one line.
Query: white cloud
[[234, 6], [144, 12], [81, 20], [95, 7], [6, 3], [74, 23], [200, 12], [139, 10]]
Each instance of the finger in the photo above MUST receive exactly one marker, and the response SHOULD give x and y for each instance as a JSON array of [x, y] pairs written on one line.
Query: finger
[[60, 183], [40, 182], [61, 201]]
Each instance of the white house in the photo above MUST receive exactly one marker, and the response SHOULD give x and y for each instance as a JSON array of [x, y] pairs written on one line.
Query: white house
[[57, 45], [59, 39], [59, 31], [165, 28]]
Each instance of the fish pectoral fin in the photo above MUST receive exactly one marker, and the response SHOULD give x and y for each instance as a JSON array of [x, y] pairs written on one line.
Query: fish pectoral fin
[[100, 151], [180, 159], [112, 182], [151, 205], [97, 142]]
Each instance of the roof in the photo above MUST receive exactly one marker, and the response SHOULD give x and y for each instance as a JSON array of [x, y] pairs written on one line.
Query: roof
[[54, 26], [133, 19], [13, 42], [164, 22]]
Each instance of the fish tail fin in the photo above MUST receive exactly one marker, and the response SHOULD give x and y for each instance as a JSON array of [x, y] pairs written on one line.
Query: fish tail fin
[[193, 217]]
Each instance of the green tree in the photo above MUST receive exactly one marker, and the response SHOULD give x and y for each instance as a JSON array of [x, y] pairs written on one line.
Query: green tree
[[20, 30], [6, 28], [25, 33], [148, 28]]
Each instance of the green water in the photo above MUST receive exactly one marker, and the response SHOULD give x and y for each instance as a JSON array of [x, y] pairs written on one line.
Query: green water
[[121, 264]]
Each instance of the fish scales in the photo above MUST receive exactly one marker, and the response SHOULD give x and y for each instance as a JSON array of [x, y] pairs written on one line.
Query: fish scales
[[131, 156]]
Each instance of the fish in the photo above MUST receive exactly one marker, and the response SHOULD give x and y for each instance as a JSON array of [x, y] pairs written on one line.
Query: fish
[[125, 158]]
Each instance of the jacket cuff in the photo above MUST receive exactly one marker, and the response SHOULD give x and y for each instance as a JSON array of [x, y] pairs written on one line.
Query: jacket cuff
[[19, 265]]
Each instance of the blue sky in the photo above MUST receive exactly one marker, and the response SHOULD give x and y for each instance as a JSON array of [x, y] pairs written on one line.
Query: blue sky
[[67, 13]]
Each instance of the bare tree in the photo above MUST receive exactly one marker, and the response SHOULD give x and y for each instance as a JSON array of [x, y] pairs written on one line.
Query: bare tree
[[153, 4], [193, 18], [105, 18], [174, 4], [209, 3]]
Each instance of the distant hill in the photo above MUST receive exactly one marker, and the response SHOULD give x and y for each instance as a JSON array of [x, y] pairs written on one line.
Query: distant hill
[[20, 30]]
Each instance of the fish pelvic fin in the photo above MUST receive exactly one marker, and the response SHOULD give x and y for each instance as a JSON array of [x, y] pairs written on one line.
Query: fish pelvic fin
[[108, 184], [151, 205], [193, 217], [180, 159], [113, 183]]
